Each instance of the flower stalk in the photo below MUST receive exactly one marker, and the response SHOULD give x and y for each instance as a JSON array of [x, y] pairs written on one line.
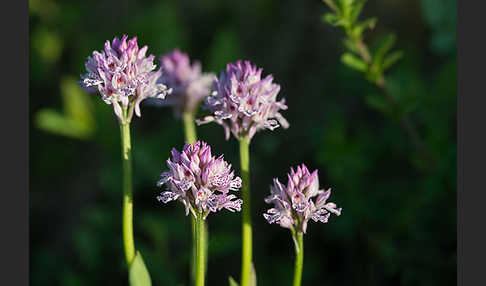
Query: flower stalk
[[299, 256], [200, 249], [191, 137], [246, 257], [189, 127], [128, 240]]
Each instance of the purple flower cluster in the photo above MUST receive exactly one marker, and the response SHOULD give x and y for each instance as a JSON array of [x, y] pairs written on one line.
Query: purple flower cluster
[[244, 103], [124, 76], [200, 181], [189, 85], [293, 204]]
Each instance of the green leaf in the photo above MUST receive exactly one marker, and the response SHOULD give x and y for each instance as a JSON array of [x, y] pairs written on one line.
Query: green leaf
[[76, 102], [54, 122], [391, 59], [138, 273], [378, 103], [384, 47], [76, 121], [330, 18], [354, 62], [253, 278], [366, 24], [332, 5], [350, 45], [232, 282], [357, 10], [346, 6]]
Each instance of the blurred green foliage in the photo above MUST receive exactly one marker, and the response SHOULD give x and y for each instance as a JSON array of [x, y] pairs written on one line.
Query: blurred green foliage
[[77, 122], [399, 218]]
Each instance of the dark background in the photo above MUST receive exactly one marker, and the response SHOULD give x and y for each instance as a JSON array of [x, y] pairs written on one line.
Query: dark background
[[398, 224]]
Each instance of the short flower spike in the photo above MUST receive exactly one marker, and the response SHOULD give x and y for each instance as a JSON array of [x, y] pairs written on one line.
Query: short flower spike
[[293, 204], [123, 76], [189, 85], [244, 103], [200, 181]]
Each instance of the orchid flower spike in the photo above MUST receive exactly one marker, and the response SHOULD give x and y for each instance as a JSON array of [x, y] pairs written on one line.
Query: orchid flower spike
[[200, 181], [293, 204], [189, 85], [244, 103], [124, 76]]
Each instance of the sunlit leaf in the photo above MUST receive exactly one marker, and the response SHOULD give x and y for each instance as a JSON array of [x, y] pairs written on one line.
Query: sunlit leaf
[[54, 122], [366, 24], [354, 62], [232, 282], [138, 273], [76, 121], [76, 102], [253, 277], [357, 10]]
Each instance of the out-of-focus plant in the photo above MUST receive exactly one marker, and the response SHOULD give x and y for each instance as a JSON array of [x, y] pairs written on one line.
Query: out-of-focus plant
[[441, 18], [76, 121], [373, 63], [189, 87]]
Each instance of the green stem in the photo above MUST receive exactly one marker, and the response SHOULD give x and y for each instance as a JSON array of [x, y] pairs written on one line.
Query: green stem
[[194, 248], [200, 249], [127, 193], [246, 258], [299, 257], [191, 137], [189, 127]]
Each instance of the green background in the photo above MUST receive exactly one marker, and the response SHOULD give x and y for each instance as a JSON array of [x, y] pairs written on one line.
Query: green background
[[398, 225]]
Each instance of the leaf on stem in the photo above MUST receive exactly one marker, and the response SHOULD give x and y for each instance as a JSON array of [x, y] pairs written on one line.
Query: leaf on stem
[[366, 24], [331, 5], [330, 18], [383, 48], [253, 278], [357, 10], [354, 62], [391, 59], [232, 282], [138, 273]]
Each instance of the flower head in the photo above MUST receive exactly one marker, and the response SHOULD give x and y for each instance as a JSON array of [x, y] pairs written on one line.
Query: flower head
[[244, 103], [200, 181], [293, 204], [189, 85], [123, 76]]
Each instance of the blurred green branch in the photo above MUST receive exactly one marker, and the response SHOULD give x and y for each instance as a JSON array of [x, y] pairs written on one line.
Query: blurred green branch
[[374, 64]]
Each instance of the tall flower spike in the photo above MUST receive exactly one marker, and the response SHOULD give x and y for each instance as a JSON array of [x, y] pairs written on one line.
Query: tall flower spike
[[200, 181], [244, 103], [294, 204], [189, 85], [123, 76]]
